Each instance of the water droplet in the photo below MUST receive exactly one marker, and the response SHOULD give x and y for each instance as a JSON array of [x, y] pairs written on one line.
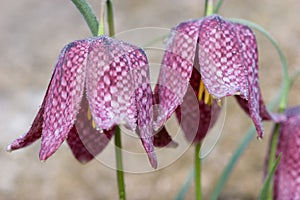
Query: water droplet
[[100, 130]]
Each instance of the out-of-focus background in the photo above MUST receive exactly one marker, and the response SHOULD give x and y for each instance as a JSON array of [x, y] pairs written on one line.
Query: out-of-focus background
[[32, 34]]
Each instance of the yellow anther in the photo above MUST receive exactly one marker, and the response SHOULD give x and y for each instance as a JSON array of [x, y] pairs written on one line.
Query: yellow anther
[[201, 90], [204, 95], [207, 98], [219, 102], [94, 124], [89, 116]]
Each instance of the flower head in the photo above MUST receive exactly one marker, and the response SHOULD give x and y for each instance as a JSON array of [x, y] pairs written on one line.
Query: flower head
[[286, 179], [97, 84], [218, 58]]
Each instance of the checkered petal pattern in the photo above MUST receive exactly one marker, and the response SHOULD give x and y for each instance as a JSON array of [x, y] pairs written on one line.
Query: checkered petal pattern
[[139, 70], [227, 56], [115, 76], [63, 101], [176, 69], [222, 66], [286, 178], [109, 85], [196, 117], [85, 141], [36, 129]]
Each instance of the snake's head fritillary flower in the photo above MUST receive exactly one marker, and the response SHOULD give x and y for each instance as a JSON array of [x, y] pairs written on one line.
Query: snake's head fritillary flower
[[97, 84], [287, 175], [217, 58]]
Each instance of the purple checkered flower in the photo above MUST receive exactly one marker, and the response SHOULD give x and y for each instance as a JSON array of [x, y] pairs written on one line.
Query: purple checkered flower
[[217, 58], [97, 84], [287, 176]]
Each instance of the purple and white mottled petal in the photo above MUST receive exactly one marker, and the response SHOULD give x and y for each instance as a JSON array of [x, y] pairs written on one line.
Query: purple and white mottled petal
[[286, 179], [110, 89], [161, 136], [63, 100], [143, 97], [192, 111], [35, 131], [32, 135], [85, 141], [176, 69], [162, 139], [248, 48], [264, 113], [222, 66]]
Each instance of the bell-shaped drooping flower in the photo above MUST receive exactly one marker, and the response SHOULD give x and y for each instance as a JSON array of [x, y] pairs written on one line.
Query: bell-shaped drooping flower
[[218, 58], [97, 84], [287, 176]]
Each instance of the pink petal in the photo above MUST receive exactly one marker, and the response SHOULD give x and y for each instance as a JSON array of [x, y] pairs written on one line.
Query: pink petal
[[35, 131], [176, 69], [196, 117], [118, 89], [110, 88], [63, 100], [139, 69], [222, 65], [33, 134], [264, 113], [248, 44], [286, 180], [143, 98], [85, 141], [162, 139]]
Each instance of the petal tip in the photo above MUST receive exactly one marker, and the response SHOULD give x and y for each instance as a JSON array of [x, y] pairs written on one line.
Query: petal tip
[[9, 148], [44, 155], [152, 159]]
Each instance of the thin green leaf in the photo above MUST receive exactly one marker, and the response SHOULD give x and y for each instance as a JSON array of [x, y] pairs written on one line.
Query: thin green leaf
[[228, 169], [89, 15], [239, 152], [185, 187], [265, 189], [218, 6]]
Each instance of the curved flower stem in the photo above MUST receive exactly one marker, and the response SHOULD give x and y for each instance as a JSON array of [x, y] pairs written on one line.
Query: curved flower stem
[[89, 15], [197, 160], [120, 175]]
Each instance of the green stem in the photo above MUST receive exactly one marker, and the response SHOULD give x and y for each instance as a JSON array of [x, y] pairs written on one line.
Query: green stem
[[272, 157], [197, 160], [101, 30], [110, 18], [118, 142], [209, 7], [119, 162], [89, 15]]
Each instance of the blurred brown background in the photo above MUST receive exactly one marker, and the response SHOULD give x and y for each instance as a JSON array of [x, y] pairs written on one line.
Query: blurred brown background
[[32, 35]]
